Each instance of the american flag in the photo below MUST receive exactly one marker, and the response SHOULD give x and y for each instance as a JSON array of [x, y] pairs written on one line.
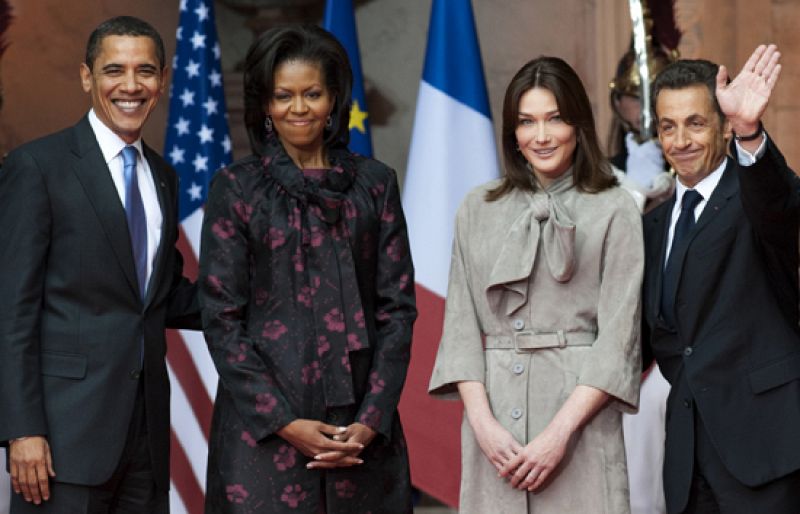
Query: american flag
[[197, 144]]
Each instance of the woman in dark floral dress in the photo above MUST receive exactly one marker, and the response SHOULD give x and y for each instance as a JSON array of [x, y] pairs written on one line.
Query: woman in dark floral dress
[[308, 299]]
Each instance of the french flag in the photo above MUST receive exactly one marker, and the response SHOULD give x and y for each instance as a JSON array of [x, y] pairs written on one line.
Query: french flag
[[452, 150]]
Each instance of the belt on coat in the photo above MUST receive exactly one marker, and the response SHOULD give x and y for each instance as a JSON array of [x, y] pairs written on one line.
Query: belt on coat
[[527, 340]]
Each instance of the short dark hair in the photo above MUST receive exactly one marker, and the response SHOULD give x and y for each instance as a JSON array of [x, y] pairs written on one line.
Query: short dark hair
[[688, 73], [302, 43], [591, 170], [122, 26]]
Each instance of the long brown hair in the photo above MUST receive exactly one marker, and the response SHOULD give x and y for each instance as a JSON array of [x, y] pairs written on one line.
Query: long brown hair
[[591, 170]]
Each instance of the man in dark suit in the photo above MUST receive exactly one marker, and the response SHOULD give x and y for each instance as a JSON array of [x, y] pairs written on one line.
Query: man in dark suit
[[90, 277], [721, 294]]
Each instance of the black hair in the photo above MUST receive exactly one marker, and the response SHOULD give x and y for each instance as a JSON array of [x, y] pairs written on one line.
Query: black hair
[[302, 43], [688, 73], [122, 26]]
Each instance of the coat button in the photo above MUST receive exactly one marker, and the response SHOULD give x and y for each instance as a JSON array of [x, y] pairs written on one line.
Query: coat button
[[135, 374], [519, 324], [687, 351], [516, 413], [518, 368], [687, 403]]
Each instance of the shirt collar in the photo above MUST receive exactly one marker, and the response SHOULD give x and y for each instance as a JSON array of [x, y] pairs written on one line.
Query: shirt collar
[[110, 143], [705, 187]]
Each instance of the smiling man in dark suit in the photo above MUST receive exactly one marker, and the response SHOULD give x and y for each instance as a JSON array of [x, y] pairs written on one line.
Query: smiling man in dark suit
[[721, 293], [89, 278]]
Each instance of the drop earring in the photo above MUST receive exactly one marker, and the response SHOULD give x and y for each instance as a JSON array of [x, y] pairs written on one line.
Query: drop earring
[[268, 124]]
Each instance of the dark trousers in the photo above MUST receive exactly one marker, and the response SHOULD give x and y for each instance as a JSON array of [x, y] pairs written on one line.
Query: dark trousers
[[130, 490], [715, 491]]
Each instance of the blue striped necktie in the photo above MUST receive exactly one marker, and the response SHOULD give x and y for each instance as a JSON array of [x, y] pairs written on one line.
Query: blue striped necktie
[[137, 221]]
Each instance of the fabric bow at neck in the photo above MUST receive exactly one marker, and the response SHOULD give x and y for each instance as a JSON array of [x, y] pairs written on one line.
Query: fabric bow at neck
[[543, 223], [336, 302]]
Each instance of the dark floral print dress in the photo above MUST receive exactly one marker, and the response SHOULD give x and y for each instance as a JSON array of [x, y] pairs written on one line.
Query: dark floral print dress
[[307, 289]]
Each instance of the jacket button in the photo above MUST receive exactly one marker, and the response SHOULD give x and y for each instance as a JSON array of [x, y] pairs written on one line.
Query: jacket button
[[687, 351], [687, 403], [518, 368], [519, 324], [135, 374], [516, 413]]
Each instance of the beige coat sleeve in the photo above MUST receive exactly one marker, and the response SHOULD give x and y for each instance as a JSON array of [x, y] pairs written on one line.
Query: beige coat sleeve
[[460, 356], [615, 366]]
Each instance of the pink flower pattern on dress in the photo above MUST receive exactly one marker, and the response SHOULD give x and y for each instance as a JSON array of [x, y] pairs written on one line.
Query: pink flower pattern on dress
[[293, 495], [376, 383], [236, 493], [311, 373], [334, 320], [274, 329], [223, 228], [323, 345], [387, 216], [243, 210], [395, 250], [248, 439], [298, 260], [265, 402], [359, 318], [371, 418], [350, 210], [238, 356], [285, 458], [276, 238], [345, 488], [353, 344]]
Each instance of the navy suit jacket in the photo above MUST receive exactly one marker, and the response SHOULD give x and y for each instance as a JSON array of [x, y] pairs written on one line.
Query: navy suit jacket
[[734, 355], [71, 315]]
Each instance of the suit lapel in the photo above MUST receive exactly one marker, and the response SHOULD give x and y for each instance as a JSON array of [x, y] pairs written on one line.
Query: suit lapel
[[160, 180], [92, 171], [659, 230]]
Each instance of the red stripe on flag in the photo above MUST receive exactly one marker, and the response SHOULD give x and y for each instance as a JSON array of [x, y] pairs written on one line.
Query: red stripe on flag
[[180, 360], [183, 477], [435, 454], [190, 264]]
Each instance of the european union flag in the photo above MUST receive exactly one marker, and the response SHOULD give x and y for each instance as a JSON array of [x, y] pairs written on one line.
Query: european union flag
[[340, 20], [197, 141]]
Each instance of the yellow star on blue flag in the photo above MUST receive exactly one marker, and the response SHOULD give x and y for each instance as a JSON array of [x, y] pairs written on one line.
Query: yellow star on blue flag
[[340, 20], [358, 118]]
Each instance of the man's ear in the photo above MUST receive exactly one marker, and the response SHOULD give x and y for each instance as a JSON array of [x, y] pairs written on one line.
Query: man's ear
[[165, 74], [727, 130], [86, 78]]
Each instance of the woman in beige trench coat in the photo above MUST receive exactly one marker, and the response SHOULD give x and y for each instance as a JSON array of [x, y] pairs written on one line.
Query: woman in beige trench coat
[[541, 336]]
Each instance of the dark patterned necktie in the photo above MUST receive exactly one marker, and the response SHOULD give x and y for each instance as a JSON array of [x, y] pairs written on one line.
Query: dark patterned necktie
[[671, 271], [137, 222]]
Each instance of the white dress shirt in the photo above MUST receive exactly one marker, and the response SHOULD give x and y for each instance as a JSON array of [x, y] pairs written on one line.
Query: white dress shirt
[[111, 146], [706, 187]]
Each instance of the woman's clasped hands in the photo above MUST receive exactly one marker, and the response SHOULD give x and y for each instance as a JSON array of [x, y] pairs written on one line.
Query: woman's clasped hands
[[330, 446]]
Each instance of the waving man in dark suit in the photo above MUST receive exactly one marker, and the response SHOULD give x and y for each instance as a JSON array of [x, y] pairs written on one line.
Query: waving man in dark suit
[[721, 293], [90, 277]]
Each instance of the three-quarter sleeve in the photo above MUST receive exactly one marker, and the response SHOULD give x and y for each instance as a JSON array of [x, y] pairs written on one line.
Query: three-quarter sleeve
[[395, 313], [615, 364], [224, 292], [460, 356]]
